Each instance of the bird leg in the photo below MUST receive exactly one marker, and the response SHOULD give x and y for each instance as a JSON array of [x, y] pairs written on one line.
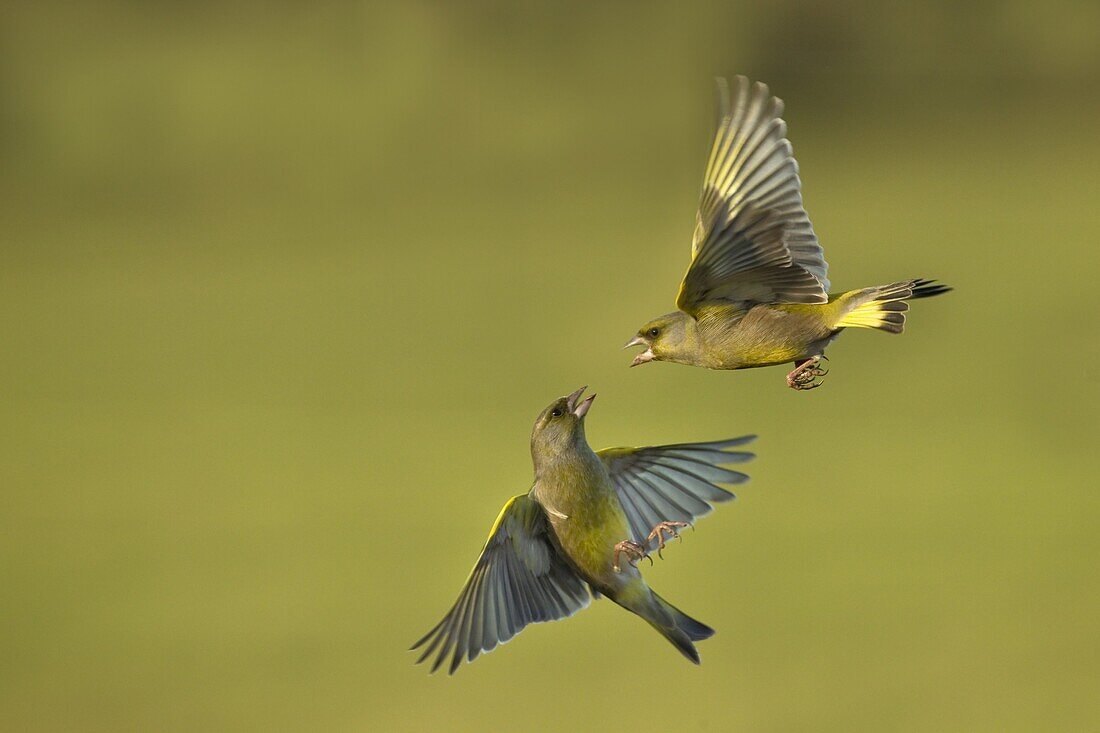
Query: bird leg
[[804, 373], [671, 528], [633, 551]]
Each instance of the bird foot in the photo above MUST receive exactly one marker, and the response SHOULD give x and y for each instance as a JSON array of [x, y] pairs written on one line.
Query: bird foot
[[804, 374], [633, 551], [658, 533]]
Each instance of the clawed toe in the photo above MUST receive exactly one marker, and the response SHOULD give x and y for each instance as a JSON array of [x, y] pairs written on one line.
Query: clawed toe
[[633, 551], [805, 375], [672, 528]]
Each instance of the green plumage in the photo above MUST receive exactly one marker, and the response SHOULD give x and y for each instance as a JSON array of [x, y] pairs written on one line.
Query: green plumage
[[756, 292], [551, 548]]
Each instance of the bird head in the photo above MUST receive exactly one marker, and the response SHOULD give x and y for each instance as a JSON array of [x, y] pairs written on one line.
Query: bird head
[[560, 427], [664, 338]]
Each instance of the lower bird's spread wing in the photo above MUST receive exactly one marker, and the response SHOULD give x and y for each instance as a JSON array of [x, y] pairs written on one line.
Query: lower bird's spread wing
[[753, 241], [518, 580], [673, 482]]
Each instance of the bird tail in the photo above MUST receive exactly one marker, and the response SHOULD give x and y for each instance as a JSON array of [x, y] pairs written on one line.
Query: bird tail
[[882, 307], [676, 626]]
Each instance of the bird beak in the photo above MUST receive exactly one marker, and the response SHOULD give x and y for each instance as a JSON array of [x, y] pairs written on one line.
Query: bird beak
[[571, 400], [643, 357], [580, 410]]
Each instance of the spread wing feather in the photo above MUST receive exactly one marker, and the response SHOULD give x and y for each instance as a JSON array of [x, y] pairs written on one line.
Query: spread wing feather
[[753, 240], [673, 482], [519, 579]]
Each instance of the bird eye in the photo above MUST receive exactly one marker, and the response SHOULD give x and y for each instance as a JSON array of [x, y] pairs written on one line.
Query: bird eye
[[556, 412], [654, 332]]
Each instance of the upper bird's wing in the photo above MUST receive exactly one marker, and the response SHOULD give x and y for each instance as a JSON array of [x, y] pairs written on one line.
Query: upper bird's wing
[[673, 482], [753, 240], [518, 580]]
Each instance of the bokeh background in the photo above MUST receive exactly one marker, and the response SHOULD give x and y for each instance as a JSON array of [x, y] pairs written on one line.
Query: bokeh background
[[283, 286]]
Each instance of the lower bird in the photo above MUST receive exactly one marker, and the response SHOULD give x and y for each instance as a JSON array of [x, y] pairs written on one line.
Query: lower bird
[[757, 290], [579, 532]]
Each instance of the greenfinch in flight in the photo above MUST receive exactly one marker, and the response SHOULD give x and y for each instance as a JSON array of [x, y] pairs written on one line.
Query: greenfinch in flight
[[756, 292], [579, 532]]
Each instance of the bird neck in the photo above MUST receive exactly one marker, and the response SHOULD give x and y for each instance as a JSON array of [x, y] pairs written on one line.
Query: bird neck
[[568, 474], [681, 345]]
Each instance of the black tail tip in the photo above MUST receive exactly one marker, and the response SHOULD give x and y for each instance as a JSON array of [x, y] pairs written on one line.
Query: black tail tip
[[928, 288], [683, 645], [697, 630]]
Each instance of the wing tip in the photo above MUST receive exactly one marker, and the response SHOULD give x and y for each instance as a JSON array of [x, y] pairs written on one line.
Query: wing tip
[[733, 443]]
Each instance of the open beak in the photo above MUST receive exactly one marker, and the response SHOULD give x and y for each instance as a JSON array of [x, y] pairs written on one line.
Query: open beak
[[579, 409], [643, 357]]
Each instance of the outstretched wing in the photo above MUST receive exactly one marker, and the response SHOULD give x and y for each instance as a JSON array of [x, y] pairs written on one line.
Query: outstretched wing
[[673, 482], [519, 579], [753, 240]]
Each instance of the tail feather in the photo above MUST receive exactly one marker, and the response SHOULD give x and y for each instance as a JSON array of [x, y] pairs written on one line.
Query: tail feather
[[883, 307], [928, 288], [677, 626]]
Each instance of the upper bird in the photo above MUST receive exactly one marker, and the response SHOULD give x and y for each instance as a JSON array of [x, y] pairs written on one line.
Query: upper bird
[[756, 292], [559, 543]]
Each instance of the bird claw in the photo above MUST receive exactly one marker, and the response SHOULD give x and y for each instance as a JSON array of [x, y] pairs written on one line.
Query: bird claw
[[671, 528], [633, 551], [802, 377]]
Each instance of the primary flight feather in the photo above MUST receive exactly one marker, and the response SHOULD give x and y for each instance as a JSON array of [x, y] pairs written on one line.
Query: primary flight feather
[[757, 290]]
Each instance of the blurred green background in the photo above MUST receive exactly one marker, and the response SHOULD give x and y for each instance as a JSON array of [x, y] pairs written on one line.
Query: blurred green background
[[282, 290]]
